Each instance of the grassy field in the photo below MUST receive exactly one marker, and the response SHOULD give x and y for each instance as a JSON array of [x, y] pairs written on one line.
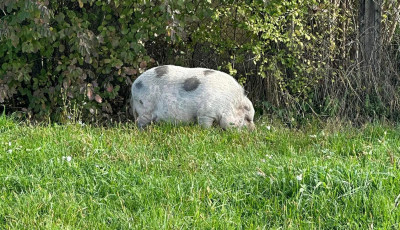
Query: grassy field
[[81, 177]]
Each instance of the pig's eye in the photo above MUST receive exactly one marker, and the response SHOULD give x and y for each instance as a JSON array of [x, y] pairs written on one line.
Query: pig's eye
[[248, 119]]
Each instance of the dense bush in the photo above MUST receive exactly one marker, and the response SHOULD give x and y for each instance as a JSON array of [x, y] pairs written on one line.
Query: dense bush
[[75, 54], [61, 57]]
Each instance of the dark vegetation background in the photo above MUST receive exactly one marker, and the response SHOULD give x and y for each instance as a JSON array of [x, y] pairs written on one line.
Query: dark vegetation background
[[296, 58]]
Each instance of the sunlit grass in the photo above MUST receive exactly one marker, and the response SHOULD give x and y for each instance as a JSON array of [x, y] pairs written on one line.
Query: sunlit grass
[[81, 177]]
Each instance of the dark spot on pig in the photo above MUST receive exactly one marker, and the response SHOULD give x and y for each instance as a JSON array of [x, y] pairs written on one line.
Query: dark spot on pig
[[208, 72], [161, 70], [191, 84], [141, 102], [139, 84]]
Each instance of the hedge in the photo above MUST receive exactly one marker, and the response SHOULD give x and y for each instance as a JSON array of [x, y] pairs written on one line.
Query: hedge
[[61, 58]]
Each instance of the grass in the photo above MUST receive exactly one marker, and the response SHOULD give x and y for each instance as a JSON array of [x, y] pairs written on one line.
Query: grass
[[83, 177]]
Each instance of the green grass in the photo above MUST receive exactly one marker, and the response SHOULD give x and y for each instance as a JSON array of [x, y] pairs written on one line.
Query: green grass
[[189, 178]]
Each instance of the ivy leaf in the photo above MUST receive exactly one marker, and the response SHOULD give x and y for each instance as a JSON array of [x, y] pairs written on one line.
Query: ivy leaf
[[129, 71], [143, 64], [61, 48], [109, 88], [118, 63], [98, 98], [90, 93], [14, 40]]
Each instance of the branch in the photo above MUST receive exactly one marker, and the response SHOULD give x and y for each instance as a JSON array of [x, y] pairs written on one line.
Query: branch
[[394, 24]]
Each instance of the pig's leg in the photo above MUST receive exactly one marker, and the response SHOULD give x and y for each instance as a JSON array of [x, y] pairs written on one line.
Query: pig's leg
[[143, 120], [205, 121]]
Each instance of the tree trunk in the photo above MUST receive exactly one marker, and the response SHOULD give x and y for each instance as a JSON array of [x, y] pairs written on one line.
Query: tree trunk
[[370, 39]]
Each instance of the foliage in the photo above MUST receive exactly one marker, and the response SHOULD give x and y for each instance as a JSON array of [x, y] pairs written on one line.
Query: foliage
[[299, 56], [58, 53]]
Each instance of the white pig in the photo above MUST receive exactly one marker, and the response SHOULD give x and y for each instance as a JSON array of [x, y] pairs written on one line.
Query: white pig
[[178, 94]]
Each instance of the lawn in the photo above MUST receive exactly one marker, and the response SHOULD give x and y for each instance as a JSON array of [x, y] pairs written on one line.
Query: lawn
[[77, 176]]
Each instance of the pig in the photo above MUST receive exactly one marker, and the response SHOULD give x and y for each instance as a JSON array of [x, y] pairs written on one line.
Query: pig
[[190, 95]]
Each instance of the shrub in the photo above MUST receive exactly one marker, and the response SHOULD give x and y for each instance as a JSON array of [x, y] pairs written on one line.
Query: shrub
[[58, 57], [58, 54]]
